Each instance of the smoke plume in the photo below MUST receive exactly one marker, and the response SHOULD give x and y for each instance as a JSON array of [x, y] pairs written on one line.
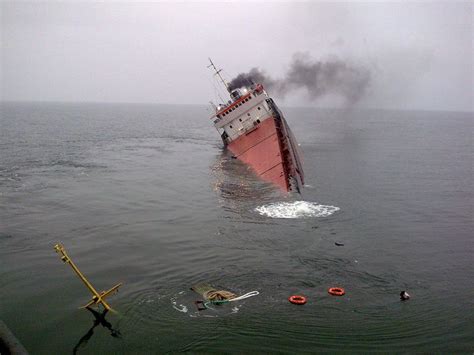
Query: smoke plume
[[319, 78]]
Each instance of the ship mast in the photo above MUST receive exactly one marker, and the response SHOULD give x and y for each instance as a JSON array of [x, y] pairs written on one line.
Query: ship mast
[[218, 73]]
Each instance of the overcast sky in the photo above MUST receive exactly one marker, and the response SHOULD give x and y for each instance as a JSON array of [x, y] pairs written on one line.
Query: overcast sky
[[420, 55]]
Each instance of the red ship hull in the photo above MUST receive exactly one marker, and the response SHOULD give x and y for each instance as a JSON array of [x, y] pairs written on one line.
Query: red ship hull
[[254, 129], [269, 149]]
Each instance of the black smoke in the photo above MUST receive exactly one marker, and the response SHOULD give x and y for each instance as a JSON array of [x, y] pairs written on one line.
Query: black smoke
[[319, 78], [254, 76]]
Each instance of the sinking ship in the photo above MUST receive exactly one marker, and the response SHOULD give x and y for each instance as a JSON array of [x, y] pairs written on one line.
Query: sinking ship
[[254, 129]]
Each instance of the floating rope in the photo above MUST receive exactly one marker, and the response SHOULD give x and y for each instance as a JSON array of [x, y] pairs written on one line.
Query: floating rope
[[215, 295], [247, 295]]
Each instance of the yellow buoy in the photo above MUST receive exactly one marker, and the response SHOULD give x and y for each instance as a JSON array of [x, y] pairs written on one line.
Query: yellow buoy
[[97, 298]]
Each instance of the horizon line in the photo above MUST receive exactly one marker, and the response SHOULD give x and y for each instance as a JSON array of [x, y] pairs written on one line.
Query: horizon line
[[206, 105]]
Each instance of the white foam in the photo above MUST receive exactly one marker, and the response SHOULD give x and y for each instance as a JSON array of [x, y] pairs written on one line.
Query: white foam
[[180, 308], [297, 209]]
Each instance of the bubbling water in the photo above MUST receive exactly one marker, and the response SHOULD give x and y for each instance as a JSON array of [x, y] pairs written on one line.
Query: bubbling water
[[297, 209]]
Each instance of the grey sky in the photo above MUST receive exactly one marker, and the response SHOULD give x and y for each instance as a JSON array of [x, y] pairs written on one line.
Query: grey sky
[[420, 54]]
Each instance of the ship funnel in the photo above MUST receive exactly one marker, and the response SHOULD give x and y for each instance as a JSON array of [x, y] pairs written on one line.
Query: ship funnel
[[235, 94]]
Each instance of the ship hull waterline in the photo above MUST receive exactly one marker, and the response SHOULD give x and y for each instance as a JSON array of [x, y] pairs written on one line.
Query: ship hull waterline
[[269, 149]]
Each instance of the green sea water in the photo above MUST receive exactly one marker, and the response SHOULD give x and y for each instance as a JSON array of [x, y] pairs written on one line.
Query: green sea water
[[146, 195]]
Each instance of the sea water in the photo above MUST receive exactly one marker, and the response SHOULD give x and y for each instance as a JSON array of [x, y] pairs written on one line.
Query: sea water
[[146, 195]]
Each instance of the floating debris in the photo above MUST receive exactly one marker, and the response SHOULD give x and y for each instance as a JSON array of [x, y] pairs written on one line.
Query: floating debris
[[404, 296], [97, 298]]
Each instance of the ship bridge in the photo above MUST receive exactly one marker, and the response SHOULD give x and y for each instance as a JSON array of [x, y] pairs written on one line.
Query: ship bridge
[[248, 109]]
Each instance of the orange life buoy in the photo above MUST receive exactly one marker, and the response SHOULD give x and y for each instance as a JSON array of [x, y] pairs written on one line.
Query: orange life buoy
[[336, 291], [297, 299]]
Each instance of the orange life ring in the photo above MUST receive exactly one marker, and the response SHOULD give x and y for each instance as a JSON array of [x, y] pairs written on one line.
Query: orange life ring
[[297, 299], [336, 291]]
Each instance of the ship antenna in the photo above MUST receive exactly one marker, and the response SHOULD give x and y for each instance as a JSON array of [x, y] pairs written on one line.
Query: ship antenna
[[218, 73]]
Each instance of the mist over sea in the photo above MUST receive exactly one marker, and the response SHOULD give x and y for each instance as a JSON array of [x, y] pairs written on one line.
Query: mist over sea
[[146, 195]]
